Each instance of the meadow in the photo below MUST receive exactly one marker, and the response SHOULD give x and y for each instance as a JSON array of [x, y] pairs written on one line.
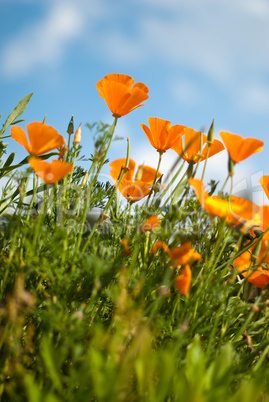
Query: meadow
[[149, 289]]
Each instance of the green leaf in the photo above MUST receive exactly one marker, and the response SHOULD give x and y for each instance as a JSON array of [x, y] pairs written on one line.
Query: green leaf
[[19, 109]]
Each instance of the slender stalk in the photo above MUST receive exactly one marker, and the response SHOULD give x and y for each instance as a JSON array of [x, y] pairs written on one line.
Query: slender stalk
[[155, 178], [206, 158], [110, 137]]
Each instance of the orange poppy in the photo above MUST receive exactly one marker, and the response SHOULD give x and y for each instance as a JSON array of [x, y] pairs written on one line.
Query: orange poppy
[[240, 148], [125, 245], [42, 138], [160, 244], [120, 94], [258, 276], [191, 150], [133, 189], [235, 209], [264, 181], [180, 255], [184, 254], [50, 172], [161, 134], [183, 281], [150, 224]]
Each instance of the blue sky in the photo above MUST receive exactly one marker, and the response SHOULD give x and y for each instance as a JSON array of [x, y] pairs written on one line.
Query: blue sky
[[200, 59]]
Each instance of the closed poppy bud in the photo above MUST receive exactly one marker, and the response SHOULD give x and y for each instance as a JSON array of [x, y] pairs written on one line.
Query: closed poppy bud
[[70, 128], [77, 136], [210, 135]]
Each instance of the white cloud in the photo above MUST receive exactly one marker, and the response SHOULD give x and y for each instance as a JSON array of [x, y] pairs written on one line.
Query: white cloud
[[45, 42]]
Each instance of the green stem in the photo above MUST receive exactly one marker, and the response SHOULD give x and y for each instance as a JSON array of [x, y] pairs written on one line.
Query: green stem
[[206, 158], [110, 137], [224, 184], [155, 178]]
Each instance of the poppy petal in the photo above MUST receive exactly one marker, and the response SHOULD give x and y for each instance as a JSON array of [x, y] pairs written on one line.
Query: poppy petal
[[19, 135]]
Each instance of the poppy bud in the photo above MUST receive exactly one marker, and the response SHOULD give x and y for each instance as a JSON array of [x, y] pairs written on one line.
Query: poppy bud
[[77, 136], [210, 134], [70, 128]]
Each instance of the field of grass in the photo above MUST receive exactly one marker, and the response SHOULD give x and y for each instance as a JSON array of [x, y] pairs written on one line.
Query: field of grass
[[161, 296]]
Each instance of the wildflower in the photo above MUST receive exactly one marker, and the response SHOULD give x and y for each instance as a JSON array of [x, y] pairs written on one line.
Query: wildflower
[[235, 209], [42, 138], [150, 224], [160, 244], [264, 181], [240, 148], [125, 244], [183, 281], [120, 94], [50, 172], [133, 189], [182, 255], [77, 136], [161, 134], [257, 275], [191, 152]]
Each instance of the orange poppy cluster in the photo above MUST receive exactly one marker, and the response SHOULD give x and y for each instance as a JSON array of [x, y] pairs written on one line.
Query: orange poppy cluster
[[122, 96], [42, 139]]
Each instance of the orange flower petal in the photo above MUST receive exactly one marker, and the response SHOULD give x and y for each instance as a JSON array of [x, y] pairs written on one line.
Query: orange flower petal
[[150, 224], [242, 263], [42, 138], [161, 134], [183, 281], [234, 210], [50, 172], [160, 244], [215, 148], [240, 148], [148, 173], [184, 254], [19, 135], [116, 168], [264, 182], [120, 96], [133, 191]]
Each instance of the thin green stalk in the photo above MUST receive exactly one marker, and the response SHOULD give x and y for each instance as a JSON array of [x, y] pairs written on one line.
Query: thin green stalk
[[206, 158], [110, 137], [122, 173], [155, 178], [224, 184]]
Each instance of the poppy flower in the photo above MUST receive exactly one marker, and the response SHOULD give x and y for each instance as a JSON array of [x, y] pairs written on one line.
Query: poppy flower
[[240, 148], [184, 254], [42, 138], [190, 151], [257, 275], [50, 172], [180, 255], [133, 189], [264, 182], [161, 134], [121, 94], [150, 224], [125, 245], [235, 209], [183, 281]]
